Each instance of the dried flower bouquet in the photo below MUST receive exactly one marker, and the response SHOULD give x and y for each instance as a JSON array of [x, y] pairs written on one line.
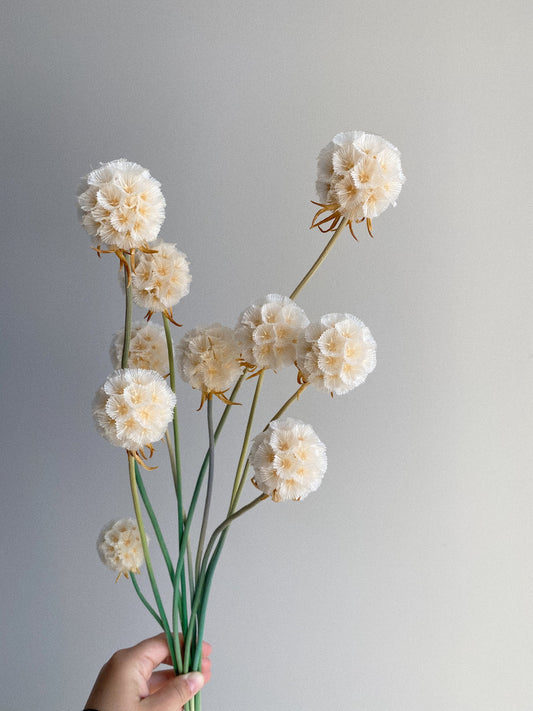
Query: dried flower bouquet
[[123, 208]]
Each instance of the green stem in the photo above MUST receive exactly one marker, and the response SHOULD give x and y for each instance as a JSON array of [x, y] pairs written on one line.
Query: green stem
[[176, 659], [246, 441], [184, 543], [209, 492], [170, 449], [154, 521], [289, 402], [177, 463], [320, 259], [127, 317], [144, 600], [189, 557], [177, 459], [206, 574]]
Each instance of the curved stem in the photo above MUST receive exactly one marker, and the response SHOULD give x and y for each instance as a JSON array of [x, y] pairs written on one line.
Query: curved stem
[[289, 402], [246, 441], [176, 470], [228, 521], [144, 600], [320, 259], [176, 659], [154, 521], [206, 577], [209, 492], [177, 458], [172, 459], [184, 542]]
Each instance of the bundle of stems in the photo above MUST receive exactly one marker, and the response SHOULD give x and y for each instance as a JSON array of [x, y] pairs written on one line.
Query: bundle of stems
[[191, 572]]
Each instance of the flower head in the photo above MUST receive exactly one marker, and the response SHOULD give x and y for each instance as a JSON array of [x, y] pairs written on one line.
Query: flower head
[[148, 348], [269, 331], [161, 279], [123, 205], [133, 408], [119, 546], [337, 353], [208, 359], [288, 459], [359, 176]]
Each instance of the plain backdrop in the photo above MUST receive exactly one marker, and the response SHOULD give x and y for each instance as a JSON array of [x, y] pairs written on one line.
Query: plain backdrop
[[406, 582]]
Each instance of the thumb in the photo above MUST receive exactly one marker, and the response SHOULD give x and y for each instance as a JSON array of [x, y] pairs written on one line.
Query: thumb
[[175, 693]]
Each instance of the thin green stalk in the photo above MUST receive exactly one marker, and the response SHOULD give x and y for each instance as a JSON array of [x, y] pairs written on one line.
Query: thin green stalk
[[218, 430], [286, 406], [206, 567], [240, 488], [171, 456], [189, 518], [199, 482], [177, 461], [176, 658], [320, 259], [145, 601], [227, 522], [209, 491], [189, 555], [153, 519], [127, 315], [246, 441]]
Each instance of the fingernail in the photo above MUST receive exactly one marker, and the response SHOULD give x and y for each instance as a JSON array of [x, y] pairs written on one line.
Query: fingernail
[[195, 681]]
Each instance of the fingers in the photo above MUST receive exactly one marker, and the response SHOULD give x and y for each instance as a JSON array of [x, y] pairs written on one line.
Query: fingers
[[152, 652], [149, 654], [175, 693], [206, 668], [162, 676]]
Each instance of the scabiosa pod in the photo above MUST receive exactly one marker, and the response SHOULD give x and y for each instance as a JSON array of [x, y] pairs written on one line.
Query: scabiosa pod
[[336, 354], [148, 348], [132, 410], [123, 207], [359, 176], [208, 359], [161, 279], [288, 459], [268, 332], [119, 546]]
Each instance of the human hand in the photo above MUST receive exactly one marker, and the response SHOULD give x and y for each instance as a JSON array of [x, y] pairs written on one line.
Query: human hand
[[129, 682]]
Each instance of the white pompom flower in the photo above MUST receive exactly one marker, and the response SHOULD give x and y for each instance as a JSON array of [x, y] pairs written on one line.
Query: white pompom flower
[[288, 459], [119, 546], [148, 348], [269, 331], [133, 409], [336, 354], [359, 175], [208, 359], [123, 206], [161, 279]]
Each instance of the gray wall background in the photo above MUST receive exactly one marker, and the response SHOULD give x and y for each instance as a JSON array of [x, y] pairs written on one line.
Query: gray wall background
[[406, 582]]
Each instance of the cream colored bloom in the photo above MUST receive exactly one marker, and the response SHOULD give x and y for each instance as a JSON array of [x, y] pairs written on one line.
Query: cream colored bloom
[[161, 279], [358, 176], [288, 459], [337, 353], [148, 348], [123, 205], [133, 408], [119, 546], [269, 331], [208, 359]]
